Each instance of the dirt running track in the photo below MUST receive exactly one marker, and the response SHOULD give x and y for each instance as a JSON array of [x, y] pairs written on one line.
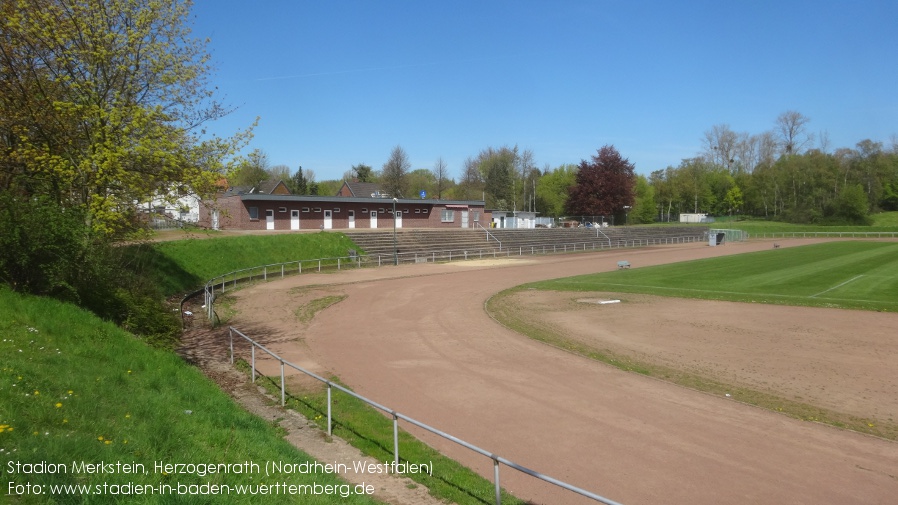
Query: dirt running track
[[416, 338]]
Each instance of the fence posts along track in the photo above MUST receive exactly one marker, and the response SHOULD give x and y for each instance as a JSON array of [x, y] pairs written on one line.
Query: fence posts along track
[[396, 416]]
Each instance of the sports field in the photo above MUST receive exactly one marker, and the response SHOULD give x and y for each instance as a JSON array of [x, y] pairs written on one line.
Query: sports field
[[417, 338], [849, 274]]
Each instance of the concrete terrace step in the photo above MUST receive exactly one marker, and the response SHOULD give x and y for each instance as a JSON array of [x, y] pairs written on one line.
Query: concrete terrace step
[[476, 241]]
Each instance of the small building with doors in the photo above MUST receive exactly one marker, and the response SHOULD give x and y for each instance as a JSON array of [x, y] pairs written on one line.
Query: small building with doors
[[265, 211]]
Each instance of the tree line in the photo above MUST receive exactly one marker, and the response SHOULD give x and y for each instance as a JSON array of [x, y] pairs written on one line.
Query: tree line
[[786, 173]]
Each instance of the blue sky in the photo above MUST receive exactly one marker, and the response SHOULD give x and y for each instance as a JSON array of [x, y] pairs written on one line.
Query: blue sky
[[337, 83]]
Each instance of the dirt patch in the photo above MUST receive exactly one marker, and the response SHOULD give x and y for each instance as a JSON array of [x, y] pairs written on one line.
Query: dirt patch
[[810, 355]]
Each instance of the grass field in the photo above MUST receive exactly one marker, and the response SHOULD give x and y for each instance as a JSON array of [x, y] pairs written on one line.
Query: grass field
[[850, 275], [182, 265], [74, 388]]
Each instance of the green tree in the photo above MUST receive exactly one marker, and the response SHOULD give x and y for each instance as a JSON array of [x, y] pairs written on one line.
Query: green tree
[[552, 190], [363, 173], [419, 180], [644, 209], [252, 171], [104, 104], [298, 185]]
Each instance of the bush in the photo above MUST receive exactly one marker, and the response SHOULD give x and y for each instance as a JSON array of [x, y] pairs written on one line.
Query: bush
[[49, 250]]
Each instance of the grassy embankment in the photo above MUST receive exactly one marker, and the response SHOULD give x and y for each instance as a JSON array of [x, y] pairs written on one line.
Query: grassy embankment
[[113, 398], [77, 389], [847, 275]]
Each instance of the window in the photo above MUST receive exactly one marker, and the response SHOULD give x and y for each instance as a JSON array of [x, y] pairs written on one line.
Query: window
[[282, 209], [405, 211], [305, 209], [364, 211], [336, 210], [417, 211], [269, 212], [476, 216], [254, 213], [424, 211], [447, 216], [351, 213], [317, 209], [381, 210]]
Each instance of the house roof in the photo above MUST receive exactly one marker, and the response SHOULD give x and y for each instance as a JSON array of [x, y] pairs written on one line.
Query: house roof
[[363, 189], [266, 187], [337, 199]]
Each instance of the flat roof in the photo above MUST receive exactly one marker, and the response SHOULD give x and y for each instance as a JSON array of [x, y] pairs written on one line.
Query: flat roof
[[336, 199]]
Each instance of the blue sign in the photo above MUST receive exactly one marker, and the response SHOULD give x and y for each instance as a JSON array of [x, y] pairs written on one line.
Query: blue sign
[[423, 194]]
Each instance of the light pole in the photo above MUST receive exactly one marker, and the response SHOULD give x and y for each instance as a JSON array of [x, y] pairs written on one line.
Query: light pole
[[395, 245]]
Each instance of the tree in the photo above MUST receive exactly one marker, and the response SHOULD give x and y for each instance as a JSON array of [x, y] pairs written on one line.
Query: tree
[[498, 169], [298, 184], [791, 129], [279, 173], [394, 177], [604, 186], [441, 177], [104, 104], [644, 209], [252, 171], [552, 190], [363, 173], [471, 184], [421, 179]]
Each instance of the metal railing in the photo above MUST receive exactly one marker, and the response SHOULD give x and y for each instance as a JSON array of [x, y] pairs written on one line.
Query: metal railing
[[220, 284], [827, 234], [489, 235], [396, 416]]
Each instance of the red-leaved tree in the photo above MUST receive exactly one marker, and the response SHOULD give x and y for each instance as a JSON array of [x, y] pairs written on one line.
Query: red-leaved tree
[[604, 186]]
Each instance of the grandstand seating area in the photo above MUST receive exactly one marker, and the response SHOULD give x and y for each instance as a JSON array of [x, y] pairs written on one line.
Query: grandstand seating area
[[418, 243]]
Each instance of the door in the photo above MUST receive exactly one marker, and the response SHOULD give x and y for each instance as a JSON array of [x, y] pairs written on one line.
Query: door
[[398, 217], [374, 219], [294, 219], [328, 219], [464, 219], [269, 219], [351, 219]]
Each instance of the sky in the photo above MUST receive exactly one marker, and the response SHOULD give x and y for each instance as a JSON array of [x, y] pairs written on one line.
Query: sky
[[339, 83]]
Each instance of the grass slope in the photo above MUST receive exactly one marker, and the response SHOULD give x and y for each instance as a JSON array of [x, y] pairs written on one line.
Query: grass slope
[[74, 388], [182, 265], [850, 274]]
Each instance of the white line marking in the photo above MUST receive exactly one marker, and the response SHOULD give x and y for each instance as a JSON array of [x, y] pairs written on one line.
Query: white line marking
[[838, 285]]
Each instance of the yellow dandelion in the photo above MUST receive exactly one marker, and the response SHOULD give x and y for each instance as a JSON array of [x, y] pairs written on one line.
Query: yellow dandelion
[[58, 405], [127, 416], [70, 391], [100, 438], [65, 421], [107, 442], [36, 392]]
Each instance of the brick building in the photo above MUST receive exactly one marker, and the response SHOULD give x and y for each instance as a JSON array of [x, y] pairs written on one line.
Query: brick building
[[265, 211]]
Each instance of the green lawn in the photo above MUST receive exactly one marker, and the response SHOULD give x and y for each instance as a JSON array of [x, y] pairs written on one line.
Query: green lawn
[[183, 265], [851, 275], [77, 389]]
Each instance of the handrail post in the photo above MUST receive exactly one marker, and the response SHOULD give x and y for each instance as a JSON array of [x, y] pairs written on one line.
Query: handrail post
[[253, 362], [496, 479], [283, 395], [231, 337], [330, 429], [395, 439]]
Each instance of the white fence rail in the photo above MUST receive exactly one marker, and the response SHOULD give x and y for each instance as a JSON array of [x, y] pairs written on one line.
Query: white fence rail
[[497, 460], [230, 280], [828, 234]]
